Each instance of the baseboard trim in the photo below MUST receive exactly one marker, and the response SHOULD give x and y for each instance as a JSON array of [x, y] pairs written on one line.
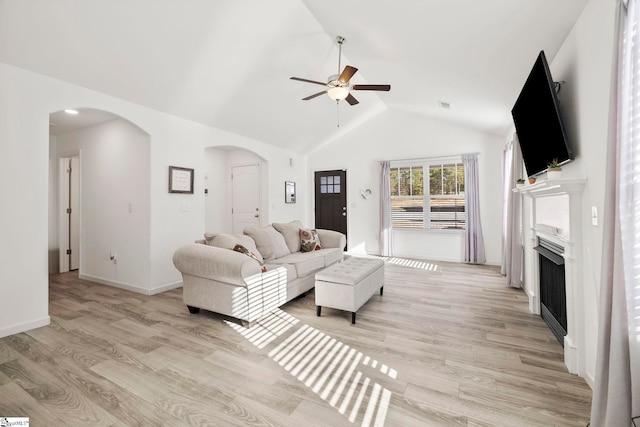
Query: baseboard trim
[[164, 288], [25, 326], [591, 381], [132, 288], [115, 284]]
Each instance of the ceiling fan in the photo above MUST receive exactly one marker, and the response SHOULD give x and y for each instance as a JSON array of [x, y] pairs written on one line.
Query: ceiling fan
[[337, 86]]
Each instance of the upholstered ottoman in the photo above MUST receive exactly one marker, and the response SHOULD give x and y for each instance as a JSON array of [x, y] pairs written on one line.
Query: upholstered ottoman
[[349, 284]]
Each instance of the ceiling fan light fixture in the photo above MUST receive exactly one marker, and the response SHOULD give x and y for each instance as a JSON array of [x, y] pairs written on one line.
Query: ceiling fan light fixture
[[338, 93]]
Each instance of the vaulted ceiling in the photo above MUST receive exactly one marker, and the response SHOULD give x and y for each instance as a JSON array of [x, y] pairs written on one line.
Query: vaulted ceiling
[[227, 63]]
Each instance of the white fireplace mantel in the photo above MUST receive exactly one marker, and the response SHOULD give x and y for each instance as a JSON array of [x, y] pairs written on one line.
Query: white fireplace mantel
[[571, 241], [554, 187]]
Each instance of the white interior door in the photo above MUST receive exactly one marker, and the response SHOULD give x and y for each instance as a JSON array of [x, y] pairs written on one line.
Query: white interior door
[[74, 215], [245, 194], [69, 229]]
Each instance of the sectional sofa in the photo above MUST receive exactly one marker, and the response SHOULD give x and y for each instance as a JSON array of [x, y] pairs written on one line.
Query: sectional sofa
[[269, 268]]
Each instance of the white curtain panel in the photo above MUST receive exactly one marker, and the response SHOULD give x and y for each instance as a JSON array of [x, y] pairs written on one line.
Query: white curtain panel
[[386, 233], [512, 254], [616, 395], [473, 240]]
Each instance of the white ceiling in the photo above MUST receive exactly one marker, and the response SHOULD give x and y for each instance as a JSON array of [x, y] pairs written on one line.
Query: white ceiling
[[227, 63]]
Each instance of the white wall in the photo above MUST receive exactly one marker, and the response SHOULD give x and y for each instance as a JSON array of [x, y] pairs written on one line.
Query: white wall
[[26, 102], [584, 62], [115, 202], [287, 167], [24, 176], [396, 135]]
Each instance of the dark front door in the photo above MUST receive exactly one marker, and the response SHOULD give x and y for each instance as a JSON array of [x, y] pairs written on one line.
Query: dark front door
[[331, 200]]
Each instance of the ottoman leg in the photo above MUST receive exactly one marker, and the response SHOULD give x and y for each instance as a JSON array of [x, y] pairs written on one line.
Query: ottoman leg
[[193, 310], [318, 310], [353, 317], [381, 288]]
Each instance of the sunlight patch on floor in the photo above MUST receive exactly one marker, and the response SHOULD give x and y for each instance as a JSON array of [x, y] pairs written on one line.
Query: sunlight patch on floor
[[422, 265], [403, 262], [327, 366], [267, 329]]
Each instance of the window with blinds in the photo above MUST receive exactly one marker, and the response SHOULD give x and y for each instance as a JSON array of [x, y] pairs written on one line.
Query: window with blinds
[[428, 196]]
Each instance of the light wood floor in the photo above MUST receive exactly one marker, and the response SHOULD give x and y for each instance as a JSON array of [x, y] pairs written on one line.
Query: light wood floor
[[447, 344]]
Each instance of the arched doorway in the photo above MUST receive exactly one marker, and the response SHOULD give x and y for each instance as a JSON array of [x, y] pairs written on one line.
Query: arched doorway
[[110, 159]]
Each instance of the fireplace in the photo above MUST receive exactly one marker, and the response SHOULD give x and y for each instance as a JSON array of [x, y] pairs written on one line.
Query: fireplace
[[553, 296], [552, 212]]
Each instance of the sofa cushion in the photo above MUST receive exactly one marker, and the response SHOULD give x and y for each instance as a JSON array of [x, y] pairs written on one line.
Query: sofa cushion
[[229, 241], [291, 233], [331, 255], [290, 269], [269, 242], [309, 240], [304, 262]]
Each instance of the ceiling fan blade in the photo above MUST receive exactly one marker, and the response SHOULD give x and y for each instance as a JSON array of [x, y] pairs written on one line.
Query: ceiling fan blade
[[372, 87], [351, 100], [314, 95], [347, 73], [308, 81]]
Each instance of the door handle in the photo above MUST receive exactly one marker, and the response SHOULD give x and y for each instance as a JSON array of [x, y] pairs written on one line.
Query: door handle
[[344, 214], [256, 215]]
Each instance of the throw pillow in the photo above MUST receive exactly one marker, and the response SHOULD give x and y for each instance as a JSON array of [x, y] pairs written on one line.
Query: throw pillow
[[228, 241], [289, 231], [309, 240], [269, 242], [247, 252]]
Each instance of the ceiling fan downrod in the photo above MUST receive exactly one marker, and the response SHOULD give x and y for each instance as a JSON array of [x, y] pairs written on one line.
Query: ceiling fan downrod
[[340, 40]]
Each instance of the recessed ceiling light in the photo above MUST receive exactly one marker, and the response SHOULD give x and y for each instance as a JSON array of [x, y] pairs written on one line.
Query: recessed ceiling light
[[72, 112], [443, 104]]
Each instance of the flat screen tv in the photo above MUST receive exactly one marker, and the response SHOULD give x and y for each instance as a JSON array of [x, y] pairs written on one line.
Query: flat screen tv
[[536, 115]]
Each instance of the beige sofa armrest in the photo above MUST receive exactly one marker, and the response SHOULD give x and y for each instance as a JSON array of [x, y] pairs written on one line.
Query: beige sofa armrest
[[331, 239], [214, 263]]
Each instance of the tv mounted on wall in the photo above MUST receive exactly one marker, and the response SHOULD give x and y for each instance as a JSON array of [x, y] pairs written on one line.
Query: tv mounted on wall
[[536, 115]]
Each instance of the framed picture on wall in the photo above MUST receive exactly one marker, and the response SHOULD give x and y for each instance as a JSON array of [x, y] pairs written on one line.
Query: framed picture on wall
[[180, 180], [289, 192]]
